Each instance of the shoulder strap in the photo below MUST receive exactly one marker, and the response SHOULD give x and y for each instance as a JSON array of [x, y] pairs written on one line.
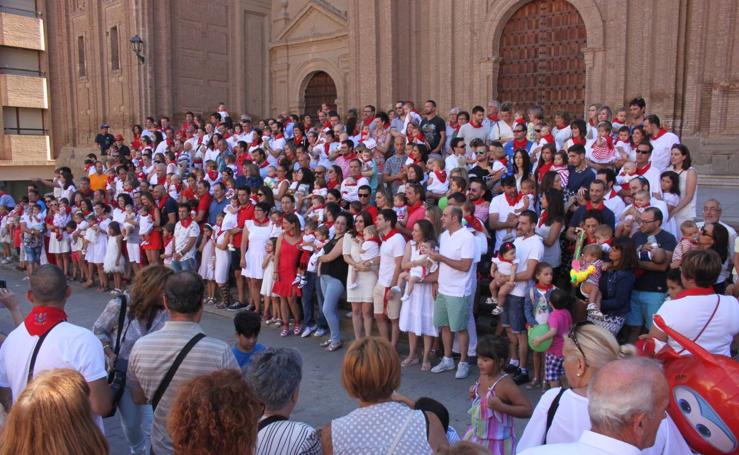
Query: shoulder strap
[[173, 369], [492, 387], [35, 352], [269, 420], [399, 435], [121, 321], [710, 318], [552, 411]]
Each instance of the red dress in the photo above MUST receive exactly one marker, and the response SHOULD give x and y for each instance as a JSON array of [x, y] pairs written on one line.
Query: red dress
[[287, 269]]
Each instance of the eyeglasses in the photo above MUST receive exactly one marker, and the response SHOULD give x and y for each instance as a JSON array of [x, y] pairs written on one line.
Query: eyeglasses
[[460, 146], [482, 152], [363, 195], [573, 336], [643, 152], [643, 221]]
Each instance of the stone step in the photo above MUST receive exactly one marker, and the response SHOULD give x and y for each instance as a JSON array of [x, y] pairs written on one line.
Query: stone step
[[718, 181]]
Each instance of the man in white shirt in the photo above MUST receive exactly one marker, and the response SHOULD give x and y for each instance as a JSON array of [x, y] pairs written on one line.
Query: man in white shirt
[[645, 168], [611, 199], [661, 140], [529, 251], [474, 129], [712, 214], [452, 305], [186, 234], [504, 210], [627, 400], [60, 344], [392, 251], [641, 184]]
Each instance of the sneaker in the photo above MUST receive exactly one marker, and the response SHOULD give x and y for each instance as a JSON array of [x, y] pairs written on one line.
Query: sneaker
[[231, 247], [491, 301], [297, 279], [348, 315], [396, 290], [511, 369], [498, 310], [405, 298], [116, 291], [303, 282], [463, 370], [320, 332], [594, 311], [352, 286], [521, 378], [236, 306], [446, 364], [307, 331]]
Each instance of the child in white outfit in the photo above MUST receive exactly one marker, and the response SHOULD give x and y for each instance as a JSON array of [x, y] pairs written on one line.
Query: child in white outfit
[[421, 268], [369, 250]]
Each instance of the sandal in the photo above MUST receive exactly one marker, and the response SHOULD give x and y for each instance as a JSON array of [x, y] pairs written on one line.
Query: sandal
[[534, 384], [334, 346], [426, 366], [325, 343], [285, 332], [409, 361], [297, 330]]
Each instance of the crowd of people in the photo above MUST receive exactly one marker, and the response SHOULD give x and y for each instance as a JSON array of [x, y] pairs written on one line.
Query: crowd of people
[[570, 236]]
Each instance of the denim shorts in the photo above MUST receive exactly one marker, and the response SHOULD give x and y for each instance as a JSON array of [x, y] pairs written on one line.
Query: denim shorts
[[644, 305], [33, 254], [513, 315]]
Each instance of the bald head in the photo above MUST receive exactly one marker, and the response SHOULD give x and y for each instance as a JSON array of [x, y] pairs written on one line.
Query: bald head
[[48, 286], [627, 400]]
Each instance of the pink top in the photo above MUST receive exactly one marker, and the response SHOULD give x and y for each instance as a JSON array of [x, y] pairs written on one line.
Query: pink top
[[561, 320]]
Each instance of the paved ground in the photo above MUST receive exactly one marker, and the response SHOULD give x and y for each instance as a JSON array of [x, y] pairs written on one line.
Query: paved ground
[[322, 397]]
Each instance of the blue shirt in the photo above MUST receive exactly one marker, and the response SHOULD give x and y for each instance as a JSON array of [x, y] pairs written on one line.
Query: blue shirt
[[509, 153], [216, 208], [244, 358]]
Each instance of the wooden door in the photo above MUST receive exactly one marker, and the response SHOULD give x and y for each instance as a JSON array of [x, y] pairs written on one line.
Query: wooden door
[[541, 58], [320, 89]]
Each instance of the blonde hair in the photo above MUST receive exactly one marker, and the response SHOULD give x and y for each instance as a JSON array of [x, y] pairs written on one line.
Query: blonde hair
[[147, 290], [53, 415], [371, 369], [598, 346]]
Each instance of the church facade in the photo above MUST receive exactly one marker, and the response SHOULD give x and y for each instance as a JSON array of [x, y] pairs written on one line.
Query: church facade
[[262, 57]]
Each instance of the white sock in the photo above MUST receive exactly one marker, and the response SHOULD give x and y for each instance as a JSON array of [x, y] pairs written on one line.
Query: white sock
[[514, 362]]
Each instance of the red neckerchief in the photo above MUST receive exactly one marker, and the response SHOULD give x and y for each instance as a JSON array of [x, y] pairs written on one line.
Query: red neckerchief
[[544, 287], [348, 183], [261, 224], [373, 239], [589, 206], [454, 126], [479, 201], [520, 121], [504, 161], [161, 180], [368, 121], [279, 136], [612, 194], [513, 201], [413, 208], [543, 217], [212, 174], [609, 142], [474, 223], [42, 318], [502, 259], [472, 124], [645, 207], [560, 126], [162, 202], [549, 138], [608, 242], [578, 140], [591, 122], [298, 138], [328, 224], [166, 244], [186, 222], [441, 175], [694, 291], [264, 164], [659, 134], [111, 180], [543, 169], [493, 118], [643, 170], [390, 234], [351, 156], [331, 184]]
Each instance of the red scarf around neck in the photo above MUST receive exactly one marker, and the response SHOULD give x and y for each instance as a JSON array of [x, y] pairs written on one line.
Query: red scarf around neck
[[387, 236], [590, 206], [544, 287], [441, 175], [373, 239], [549, 138], [643, 170], [513, 200], [414, 207], [493, 118], [42, 318], [520, 144], [578, 140], [543, 217], [659, 134], [694, 291], [474, 223], [186, 222], [472, 124]]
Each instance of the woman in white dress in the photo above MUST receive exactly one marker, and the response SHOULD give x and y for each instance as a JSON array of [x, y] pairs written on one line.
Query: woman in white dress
[[417, 313], [681, 163], [254, 237], [223, 261], [359, 297]]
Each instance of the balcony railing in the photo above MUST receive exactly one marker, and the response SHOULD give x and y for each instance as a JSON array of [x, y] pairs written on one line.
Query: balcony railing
[[26, 131], [20, 11], [21, 71]]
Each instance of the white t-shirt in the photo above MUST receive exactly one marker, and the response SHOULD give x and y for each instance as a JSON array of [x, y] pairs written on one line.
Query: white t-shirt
[[571, 420], [690, 314], [526, 248], [615, 204], [460, 245], [499, 131], [500, 205], [661, 149], [469, 132], [182, 234], [66, 346], [391, 249]]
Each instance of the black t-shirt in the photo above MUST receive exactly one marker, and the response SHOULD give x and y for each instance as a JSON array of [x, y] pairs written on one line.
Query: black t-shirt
[[432, 130], [648, 280], [104, 141], [479, 173], [608, 217], [170, 206]]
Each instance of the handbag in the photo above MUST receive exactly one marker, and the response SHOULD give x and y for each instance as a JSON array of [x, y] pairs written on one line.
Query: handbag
[[117, 372]]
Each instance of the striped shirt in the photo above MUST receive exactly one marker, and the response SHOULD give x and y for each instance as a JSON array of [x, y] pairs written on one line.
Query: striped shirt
[[288, 437], [154, 354]]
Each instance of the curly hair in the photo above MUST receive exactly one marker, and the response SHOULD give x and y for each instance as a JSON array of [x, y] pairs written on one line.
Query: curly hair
[[215, 413]]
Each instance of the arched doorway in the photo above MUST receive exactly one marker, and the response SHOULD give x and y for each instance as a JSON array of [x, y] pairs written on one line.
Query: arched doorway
[[541, 58], [319, 89]]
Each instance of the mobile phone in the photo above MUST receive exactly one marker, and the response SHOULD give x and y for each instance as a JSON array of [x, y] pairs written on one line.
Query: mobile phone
[[2, 284]]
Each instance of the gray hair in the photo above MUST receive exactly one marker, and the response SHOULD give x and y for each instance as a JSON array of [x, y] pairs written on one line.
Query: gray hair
[[275, 374], [48, 285], [623, 389], [495, 103]]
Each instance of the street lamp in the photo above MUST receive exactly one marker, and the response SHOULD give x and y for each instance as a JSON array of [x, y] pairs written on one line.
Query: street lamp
[[137, 45]]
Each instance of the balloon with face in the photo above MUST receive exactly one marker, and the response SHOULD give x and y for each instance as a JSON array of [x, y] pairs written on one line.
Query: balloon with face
[[704, 395]]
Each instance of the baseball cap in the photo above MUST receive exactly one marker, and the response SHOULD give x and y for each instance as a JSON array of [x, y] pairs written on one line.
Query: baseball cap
[[104, 125]]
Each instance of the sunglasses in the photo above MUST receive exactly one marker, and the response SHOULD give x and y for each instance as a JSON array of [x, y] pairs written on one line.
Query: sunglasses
[[573, 336], [538, 131], [643, 152], [363, 195], [482, 153]]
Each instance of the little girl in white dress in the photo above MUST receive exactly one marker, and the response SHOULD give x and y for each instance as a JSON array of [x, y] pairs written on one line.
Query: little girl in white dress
[[114, 261], [208, 262]]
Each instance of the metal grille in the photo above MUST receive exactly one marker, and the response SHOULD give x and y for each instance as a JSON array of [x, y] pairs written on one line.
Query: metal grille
[[320, 89], [541, 58]]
